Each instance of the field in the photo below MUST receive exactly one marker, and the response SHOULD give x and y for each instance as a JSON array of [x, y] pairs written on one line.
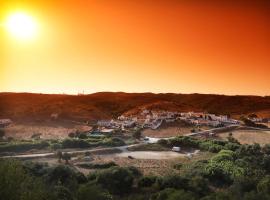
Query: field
[[168, 132], [47, 131], [249, 136], [157, 167]]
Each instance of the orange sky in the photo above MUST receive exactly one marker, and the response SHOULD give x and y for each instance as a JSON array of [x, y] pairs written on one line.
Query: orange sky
[[138, 46]]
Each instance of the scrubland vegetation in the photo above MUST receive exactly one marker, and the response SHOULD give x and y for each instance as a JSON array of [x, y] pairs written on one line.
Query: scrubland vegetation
[[234, 172], [36, 144]]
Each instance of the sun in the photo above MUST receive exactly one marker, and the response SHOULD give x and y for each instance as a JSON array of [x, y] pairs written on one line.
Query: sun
[[21, 26]]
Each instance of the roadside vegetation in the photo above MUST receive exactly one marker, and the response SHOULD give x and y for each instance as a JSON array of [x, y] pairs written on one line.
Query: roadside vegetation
[[85, 141], [234, 172]]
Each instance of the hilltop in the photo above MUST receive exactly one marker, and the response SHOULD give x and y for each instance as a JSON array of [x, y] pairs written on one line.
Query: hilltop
[[105, 105]]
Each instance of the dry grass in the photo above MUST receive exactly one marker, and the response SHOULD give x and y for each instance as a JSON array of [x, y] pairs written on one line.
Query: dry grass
[[25, 131], [146, 166], [249, 136], [149, 166], [168, 132]]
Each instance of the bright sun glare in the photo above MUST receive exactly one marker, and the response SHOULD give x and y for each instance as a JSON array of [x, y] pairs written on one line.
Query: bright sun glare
[[21, 26]]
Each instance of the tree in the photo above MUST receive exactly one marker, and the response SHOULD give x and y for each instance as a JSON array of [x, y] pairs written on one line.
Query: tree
[[62, 193], [71, 135], [93, 192], [2, 133], [16, 183], [59, 155], [264, 185], [66, 157], [82, 136], [117, 180], [137, 134], [231, 139], [62, 175]]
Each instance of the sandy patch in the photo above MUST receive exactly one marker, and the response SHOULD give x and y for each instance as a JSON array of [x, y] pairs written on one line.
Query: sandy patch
[[249, 136]]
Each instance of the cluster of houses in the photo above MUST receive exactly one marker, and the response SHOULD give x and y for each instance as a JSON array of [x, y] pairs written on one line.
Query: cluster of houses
[[153, 119]]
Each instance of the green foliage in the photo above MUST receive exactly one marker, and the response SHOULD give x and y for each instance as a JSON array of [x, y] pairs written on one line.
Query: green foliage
[[96, 165], [75, 143], [62, 175], [16, 184], [235, 172], [93, 192], [147, 181], [252, 124], [2, 132], [23, 146], [176, 182], [137, 133], [116, 179], [264, 185], [66, 157], [172, 194], [82, 136], [62, 193]]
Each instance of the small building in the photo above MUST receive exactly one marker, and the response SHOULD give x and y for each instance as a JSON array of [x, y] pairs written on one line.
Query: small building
[[176, 149], [104, 123]]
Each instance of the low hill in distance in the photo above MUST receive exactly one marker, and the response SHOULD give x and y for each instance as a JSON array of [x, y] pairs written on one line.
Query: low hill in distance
[[105, 105]]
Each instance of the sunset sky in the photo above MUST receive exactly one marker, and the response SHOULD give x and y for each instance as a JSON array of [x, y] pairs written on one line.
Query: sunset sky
[[158, 46]]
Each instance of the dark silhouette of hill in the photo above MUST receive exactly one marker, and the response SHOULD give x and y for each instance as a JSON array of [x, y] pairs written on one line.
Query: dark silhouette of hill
[[104, 105]]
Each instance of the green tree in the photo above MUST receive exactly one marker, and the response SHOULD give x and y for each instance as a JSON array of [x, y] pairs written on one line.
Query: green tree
[[66, 157], [93, 192], [137, 133], [117, 180], [59, 155], [16, 184], [2, 133], [62, 193]]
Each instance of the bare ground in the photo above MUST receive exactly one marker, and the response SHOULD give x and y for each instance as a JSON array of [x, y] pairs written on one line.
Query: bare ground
[[249, 136], [25, 131], [158, 167]]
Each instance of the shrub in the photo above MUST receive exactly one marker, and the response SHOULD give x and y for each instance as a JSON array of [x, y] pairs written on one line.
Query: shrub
[[82, 136], [2, 132], [75, 143], [71, 135], [163, 142], [116, 179], [25, 146], [93, 192], [147, 181], [97, 166], [176, 182]]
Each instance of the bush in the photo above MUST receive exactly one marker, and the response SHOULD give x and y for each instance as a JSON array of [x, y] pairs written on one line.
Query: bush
[[2, 132], [75, 143], [71, 135], [62, 175], [82, 136], [97, 166], [62, 193], [16, 183], [176, 182], [147, 181], [178, 166], [93, 192], [172, 194], [24, 146], [163, 142], [113, 142], [116, 179]]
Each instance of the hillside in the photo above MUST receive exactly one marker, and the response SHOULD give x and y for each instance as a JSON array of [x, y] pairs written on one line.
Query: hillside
[[28, 106]]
